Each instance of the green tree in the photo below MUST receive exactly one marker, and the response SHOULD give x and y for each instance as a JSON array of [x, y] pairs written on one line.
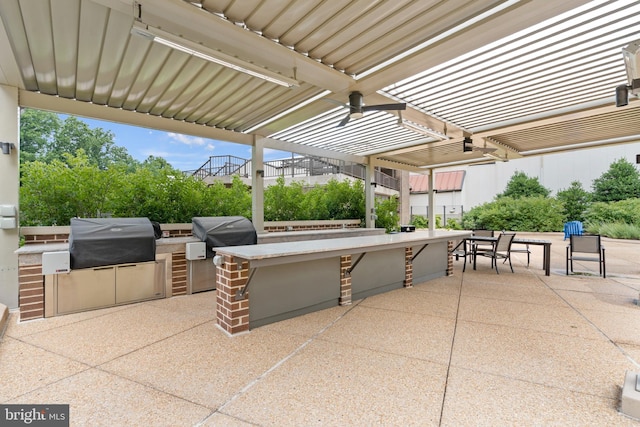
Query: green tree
[[97, 143], [575, 200], [154, 163], [520, 185], [620, 182], [45, 137], [37, 131], [53, 193]]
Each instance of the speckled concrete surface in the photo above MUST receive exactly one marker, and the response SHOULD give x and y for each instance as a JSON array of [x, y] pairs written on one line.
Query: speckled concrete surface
[[473, 349]]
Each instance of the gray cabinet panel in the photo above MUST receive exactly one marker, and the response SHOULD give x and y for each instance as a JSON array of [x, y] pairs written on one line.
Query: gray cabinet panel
[[137, 282], [377, 272], [430, 263], [100, 287], [288, 290], [86, 289], [201, 275]]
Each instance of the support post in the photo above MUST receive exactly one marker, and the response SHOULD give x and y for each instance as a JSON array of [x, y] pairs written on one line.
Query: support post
[[9, 190], [257, 184], [370, 195], [405, 198], [432, 200]]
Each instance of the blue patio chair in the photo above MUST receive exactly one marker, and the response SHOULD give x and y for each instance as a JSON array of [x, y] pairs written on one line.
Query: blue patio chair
[[572, 228]]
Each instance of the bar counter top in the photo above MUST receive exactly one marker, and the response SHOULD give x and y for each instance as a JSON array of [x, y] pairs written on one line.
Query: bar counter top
[[276, 253]]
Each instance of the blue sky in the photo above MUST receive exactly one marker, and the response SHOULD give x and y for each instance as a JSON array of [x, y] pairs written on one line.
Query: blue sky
[[184, 152]]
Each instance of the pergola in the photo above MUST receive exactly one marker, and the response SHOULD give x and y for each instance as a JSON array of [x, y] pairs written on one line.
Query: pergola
[[512, 78]]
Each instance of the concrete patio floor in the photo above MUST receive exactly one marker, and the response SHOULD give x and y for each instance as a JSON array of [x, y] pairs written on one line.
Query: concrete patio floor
[[473, 349]]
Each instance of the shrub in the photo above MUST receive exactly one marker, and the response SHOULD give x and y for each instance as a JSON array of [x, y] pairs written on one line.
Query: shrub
[[615, 230], [523, 214], [387, 212], [420, 221], [283, 202], [623, 211], [454, 224]]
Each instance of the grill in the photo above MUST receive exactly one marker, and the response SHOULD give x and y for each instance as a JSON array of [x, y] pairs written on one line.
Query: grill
[[216, 232], [95, 242], [224, 231]]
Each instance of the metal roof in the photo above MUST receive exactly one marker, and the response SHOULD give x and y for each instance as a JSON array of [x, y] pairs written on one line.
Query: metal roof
[[444, 182], [520, 77]]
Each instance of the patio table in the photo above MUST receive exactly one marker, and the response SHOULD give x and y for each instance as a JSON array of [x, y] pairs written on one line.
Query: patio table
[[546, 244]]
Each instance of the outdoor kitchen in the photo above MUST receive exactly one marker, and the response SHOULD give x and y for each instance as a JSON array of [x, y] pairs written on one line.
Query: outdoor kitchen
[[104, 262]]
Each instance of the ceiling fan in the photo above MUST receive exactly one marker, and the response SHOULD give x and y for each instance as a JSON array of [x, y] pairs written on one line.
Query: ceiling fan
[[357, 108]]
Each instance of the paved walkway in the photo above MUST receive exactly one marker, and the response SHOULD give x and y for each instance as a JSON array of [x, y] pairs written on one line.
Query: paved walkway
[[473, 349]]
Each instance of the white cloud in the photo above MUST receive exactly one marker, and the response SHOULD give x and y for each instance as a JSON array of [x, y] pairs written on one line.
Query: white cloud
[[186, 139]]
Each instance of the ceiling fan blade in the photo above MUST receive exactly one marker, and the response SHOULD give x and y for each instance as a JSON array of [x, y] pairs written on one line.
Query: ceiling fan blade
[[382, 107], [333, 101], [344, 121]]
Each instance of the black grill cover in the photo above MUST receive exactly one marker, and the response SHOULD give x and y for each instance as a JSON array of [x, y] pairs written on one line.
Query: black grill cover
[[95, 242], [219, 231]]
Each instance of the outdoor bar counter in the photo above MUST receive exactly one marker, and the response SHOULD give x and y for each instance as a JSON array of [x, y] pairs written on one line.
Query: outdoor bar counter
[[265, 283]]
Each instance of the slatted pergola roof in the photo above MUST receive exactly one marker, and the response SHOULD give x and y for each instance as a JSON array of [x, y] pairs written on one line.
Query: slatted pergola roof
[[521, 77]]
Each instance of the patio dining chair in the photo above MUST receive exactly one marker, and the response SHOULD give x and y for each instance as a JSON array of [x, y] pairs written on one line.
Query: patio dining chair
[[587, 247], [462, 249], [524, 250], [480, 245], [501, 249]]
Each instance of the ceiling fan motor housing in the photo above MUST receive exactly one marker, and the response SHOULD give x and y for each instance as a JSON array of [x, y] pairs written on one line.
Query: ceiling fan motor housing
[[355, 105]]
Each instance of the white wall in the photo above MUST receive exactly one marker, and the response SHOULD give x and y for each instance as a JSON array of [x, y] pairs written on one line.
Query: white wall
[[554, 171]]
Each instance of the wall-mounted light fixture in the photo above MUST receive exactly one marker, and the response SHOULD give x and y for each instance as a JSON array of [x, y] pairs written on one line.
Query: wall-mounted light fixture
[[622, 95], [418, 128], [260, 173], [172, 41], [7, 147], [496, 157]]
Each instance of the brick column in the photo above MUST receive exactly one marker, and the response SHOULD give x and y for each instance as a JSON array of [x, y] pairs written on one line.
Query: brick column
[[31, 292], [450, 258], [231, 277], [345, 280], [408, 267]]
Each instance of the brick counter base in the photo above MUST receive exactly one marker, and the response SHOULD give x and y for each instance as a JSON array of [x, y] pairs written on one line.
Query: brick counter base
[[31, 292], [231, 277]]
